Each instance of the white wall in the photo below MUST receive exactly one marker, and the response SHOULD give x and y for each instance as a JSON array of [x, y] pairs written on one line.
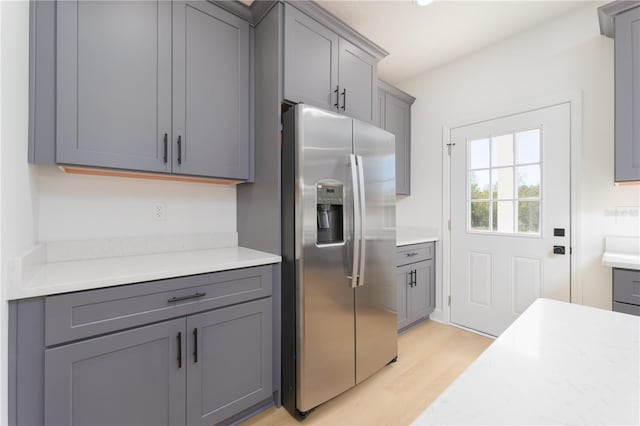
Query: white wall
[[75, 207], [18, 183], [563, 56]]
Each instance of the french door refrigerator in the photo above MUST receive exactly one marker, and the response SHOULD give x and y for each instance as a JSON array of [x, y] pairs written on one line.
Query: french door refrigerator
[[338, 242]]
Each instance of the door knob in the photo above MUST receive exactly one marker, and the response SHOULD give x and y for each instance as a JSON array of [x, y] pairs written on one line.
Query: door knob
[[559, 250]]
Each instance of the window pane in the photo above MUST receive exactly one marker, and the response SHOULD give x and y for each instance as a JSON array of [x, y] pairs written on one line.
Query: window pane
[[529, 216], [528, 146], [503, 216], [480, 215], [479, 185], [502, 183], [479, 154], [528, 181], [502, 150]]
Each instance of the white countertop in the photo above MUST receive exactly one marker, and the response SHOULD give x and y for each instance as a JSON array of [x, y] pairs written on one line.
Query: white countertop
[[558, 363], [415, 235], [63, 277], [622, 252]]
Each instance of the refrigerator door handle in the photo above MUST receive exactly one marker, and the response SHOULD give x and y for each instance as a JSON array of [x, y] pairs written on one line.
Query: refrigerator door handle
[[363, 220], [356, 221]]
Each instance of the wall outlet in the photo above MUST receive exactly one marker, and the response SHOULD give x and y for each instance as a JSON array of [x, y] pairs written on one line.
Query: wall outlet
[[159, 211]]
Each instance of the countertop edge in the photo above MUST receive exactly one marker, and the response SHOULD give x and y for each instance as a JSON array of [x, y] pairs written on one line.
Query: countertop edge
[[403, 243], [17, 291]]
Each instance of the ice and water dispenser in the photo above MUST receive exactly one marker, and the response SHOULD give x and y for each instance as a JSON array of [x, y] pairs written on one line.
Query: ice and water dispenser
[[329, 205]]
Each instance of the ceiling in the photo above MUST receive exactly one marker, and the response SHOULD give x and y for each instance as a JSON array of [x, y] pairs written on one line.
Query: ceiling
[[419, 38]]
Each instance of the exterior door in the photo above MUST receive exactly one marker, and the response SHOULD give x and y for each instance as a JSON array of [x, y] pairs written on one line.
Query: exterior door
[[113, 84], [376, 320], [130, 378], [310, 61], [358, 82], [210, 91], [326, 358], [229, 361], [510, 206]]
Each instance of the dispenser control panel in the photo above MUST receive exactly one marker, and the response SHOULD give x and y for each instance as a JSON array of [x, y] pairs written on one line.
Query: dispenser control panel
[[330, 194]]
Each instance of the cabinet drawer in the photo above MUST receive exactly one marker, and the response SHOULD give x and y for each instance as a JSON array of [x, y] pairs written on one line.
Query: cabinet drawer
[[626, 308], [626, 286], [88, 313], [414, 253]]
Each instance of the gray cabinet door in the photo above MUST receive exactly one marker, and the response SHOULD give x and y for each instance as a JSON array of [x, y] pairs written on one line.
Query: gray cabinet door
[[310, 61], [421, 292], [627, 54], [210, 91], [403, 282], [358, 81], [113, 84], [128, 378], [229, 361], [397, 120]]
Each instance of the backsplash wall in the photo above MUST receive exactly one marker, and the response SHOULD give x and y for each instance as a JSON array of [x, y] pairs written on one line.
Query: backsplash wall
[[78, 207]]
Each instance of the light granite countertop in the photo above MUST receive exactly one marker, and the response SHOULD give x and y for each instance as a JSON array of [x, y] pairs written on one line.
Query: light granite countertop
[[558, 363], [406, 235], [622, 252], [40, 272]]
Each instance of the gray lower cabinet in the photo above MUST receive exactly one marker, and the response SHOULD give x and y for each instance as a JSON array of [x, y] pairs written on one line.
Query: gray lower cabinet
[[129, 378], [626, 291], [194, 350], [153, 86], [229, 361], [415, 280], [627, 82], [395, 117], [326, 70]]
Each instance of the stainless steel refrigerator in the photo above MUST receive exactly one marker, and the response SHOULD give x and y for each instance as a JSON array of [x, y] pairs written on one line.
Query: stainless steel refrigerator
[[338, 240]]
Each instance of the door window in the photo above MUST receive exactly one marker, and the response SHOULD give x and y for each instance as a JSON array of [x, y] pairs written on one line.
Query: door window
[[505, 184]]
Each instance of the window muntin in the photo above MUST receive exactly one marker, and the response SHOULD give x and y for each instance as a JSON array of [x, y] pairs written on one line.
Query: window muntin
[[504, 183]]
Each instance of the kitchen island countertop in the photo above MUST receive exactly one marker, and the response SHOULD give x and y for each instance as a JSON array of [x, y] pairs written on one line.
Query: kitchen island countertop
[[558, 363]]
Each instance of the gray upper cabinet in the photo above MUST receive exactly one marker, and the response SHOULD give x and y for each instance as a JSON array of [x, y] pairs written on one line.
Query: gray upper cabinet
[[229, 361], [113, 84], [324, 68], [358, 82], [310, 61], [120, 379], [153, 86], [395, 117], [627, 72], [210, 91]]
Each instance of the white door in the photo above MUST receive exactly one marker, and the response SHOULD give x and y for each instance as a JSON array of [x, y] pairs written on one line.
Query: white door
[[510, 205]]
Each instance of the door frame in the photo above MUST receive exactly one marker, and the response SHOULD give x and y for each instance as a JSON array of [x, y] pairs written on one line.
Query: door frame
[[574, 99]]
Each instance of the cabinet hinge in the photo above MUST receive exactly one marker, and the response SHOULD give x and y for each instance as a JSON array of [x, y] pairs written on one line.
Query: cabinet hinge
[[449, 300]]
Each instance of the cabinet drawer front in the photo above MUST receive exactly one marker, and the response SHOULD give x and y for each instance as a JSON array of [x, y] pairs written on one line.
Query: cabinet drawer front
[[626, 286], [414, 253], [78, 315], [626, 308]]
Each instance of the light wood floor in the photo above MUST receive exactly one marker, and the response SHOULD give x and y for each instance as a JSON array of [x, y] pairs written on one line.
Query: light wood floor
[[430, 357]]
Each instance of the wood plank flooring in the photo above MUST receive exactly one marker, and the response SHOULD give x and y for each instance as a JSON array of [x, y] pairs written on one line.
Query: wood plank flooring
[[430, 357]]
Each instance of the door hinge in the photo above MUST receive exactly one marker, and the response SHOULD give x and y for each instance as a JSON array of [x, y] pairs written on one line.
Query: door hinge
[[449, 145], [449, 224], [449, 300]]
